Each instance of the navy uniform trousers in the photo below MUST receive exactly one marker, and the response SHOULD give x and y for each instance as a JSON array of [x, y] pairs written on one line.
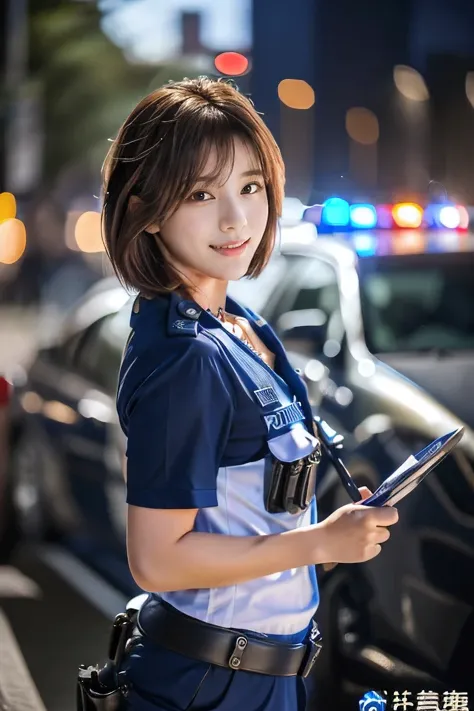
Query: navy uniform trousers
[[161, 680]]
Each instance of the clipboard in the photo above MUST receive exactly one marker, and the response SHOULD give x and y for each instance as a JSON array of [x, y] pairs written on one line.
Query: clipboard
[[413, 470]]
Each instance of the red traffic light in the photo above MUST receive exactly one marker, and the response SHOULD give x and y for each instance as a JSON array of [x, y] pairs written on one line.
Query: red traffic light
[[232, 64]]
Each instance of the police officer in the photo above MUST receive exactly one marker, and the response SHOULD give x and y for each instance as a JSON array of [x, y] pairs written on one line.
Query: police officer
[[221, 451]]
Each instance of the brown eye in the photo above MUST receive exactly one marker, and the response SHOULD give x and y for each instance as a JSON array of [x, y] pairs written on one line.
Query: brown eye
[[200, 196], [251, 188]]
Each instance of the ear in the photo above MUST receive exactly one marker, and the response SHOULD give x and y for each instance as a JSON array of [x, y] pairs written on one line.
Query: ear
[[134, 202], [153, 229]]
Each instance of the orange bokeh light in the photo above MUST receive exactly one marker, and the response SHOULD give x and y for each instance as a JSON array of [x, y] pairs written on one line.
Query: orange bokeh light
[[88, 232], [12, 240], [296, 93], [407, 214], [7, 206], [362, 125], [409, 242]]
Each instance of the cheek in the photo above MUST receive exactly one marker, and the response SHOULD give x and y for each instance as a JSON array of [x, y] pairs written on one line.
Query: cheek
[[178, 233], [259, 214]]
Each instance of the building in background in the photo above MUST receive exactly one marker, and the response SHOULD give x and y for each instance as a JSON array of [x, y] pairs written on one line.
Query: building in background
[[152, 30], [443, 45], [370, 132]]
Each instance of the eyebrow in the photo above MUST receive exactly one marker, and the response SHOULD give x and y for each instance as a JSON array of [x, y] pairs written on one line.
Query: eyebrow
[[246, 174], [255, 171]]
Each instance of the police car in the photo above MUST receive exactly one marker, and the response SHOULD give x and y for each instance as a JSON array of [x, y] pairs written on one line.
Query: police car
[[396, 620], [415, 271]]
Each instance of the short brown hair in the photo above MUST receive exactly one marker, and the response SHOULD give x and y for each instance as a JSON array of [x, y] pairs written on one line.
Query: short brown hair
[[159, 153]]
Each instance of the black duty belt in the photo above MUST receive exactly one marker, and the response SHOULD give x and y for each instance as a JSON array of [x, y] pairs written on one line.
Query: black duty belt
[[172, 629]]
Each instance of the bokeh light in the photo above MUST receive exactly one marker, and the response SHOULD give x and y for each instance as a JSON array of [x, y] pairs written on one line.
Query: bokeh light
[[409, 242], [470, 87], [449, 217], [362, 125], [363, 216], [365, 244], [408, 214], [336, 212], [384, 216], [410, 83], [463, 217], [88, 232], [296, 94], [12, 240], [231, 64], [7, 206]]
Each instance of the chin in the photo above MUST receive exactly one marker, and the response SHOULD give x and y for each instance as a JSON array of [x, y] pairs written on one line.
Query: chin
[[233, 272]]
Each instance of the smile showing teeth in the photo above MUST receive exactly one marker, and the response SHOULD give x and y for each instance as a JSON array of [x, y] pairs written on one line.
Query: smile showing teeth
[[231, 246]]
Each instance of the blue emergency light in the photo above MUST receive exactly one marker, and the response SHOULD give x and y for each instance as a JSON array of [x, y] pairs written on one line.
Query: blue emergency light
[[363, 216], [335, 213]]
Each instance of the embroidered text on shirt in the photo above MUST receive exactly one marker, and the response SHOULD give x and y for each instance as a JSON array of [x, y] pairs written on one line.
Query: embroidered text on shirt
[[286, 416], [267, 396]]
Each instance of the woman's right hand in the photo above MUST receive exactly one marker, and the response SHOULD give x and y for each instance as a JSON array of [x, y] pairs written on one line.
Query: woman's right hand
[[353, 533]]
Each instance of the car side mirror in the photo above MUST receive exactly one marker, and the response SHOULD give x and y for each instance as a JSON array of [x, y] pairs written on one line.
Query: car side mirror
[[303, 331]]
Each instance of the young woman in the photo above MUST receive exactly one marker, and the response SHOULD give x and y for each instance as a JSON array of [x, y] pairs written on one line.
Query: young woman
[[221, 452]]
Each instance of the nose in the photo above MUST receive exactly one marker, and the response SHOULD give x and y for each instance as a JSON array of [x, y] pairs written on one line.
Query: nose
[[232, 217]]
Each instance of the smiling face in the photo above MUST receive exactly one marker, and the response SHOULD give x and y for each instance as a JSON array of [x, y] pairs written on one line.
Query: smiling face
[[216, 230], [193, 189]]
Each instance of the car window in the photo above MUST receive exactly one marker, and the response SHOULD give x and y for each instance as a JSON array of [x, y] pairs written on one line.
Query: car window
[[419, 308], [100, 357], [318, 289], [313, 288]]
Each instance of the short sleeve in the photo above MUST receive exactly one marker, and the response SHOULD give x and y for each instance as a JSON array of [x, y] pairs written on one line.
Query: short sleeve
[[179, 422]]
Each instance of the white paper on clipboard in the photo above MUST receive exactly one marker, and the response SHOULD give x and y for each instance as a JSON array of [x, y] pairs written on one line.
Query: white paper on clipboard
[[413, 470]]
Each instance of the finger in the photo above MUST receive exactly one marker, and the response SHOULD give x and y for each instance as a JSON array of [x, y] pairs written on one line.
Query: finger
[[365, 492], [384, 516], [373, 551], [381, 535], [374, 515]]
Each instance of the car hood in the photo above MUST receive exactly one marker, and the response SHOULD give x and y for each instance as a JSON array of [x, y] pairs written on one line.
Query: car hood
[[410, 406], [448, 377]]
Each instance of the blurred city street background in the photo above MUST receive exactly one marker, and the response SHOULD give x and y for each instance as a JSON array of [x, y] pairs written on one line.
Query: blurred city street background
[[371, 288]]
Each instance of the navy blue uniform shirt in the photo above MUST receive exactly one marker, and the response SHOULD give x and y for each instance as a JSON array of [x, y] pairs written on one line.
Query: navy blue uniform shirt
[[203, 414]]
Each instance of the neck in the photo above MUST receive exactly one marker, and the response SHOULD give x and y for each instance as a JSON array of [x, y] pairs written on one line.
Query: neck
[[209, 294]]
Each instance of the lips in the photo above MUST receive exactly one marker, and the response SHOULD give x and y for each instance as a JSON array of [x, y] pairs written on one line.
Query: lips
[[230, 245]]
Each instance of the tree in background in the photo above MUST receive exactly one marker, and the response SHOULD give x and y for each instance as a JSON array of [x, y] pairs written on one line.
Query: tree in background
[[82, 87], [88, 87]]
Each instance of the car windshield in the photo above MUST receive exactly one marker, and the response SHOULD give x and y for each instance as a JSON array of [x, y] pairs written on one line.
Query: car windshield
[[418, 304]]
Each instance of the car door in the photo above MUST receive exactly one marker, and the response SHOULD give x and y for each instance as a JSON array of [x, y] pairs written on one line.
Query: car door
[[77, 431], [97, 445]]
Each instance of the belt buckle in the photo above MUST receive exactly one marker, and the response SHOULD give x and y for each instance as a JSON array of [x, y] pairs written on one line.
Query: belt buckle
[[313, 650], [235, 658]]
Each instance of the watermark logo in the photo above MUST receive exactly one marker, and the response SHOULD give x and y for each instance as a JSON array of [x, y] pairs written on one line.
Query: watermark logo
[[372, 701], [410, 701]]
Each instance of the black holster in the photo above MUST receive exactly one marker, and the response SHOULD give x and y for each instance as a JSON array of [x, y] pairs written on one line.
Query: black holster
[[101, 689], [290, 486]]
